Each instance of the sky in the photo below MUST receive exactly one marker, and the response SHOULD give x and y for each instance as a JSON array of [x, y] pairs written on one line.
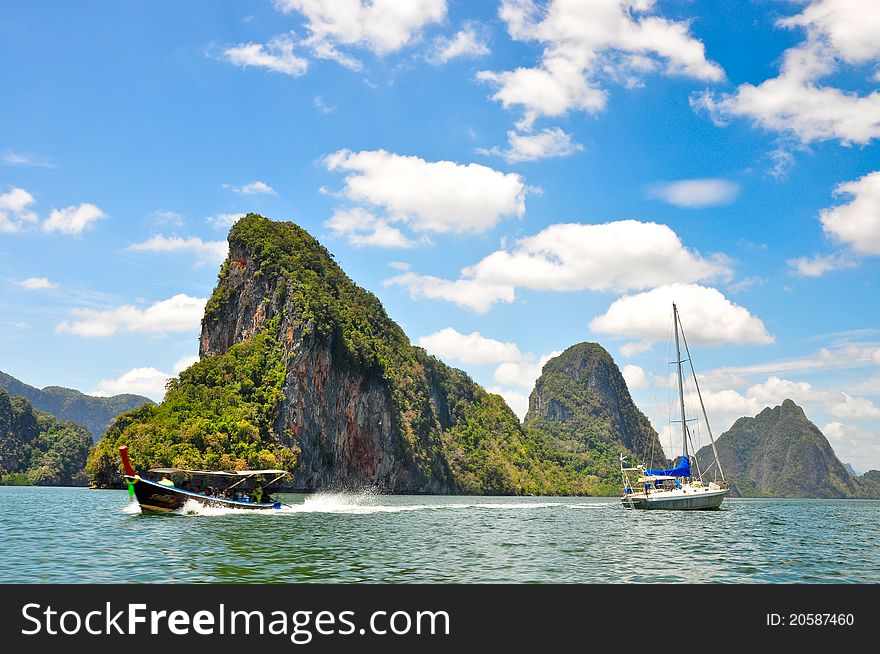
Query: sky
[[509, 177]]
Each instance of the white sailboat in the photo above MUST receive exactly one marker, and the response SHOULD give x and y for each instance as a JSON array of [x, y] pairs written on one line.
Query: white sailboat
[[676, 488]]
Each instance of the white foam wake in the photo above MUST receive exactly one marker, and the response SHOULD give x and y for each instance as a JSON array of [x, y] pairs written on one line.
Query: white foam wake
[[368, 503]]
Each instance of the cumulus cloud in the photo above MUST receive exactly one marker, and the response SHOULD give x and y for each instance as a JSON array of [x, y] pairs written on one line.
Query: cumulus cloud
[[205, 252], [695, 193], [73, 219], [223, 220], [185, 362], [467, 293], [277, 55], [252, 188], [819, 264], [15, 211], [381, 26], [518, 402], [857, 222], [138, 381], [471, 348], [180, 313], [635, 377], [532, 146], [522, 374], [586, 41], [637, 347], [362, 228], [708, 316], [794, 103], [468, 43], [439, 196], [37, 284], [619, 256]]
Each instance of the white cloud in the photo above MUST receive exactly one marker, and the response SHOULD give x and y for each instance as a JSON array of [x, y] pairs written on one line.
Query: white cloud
[[37, 284], [15, 212], [138, 381], [362, 228], [440, 196], [466, 43], [468, 293], [837, 31], [223, 220], [163, 216], [185, 362], [849, 25], [854, 445], [276, 55], [857, 222], [586, 40], [708, 317], [471, 348], [853, 407], [819, 264], [534, 146], [382, 26], [180, 313], [522, 374], [26, 160], [635, 377], [620, 255], [205, 252], [630, 349], [252, 188], [695, 193], [73, 219], [518, 402]]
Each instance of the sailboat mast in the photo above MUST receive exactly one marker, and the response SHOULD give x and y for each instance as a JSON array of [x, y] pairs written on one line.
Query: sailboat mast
[[684, 435]]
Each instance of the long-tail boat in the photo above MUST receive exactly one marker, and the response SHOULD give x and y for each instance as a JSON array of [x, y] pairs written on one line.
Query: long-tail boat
[[233, 489]]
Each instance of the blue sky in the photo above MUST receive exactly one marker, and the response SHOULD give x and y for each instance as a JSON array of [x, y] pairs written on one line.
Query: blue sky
[[510, 178]]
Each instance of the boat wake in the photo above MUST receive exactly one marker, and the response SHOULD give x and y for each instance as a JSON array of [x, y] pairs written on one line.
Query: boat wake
[[368, 503]]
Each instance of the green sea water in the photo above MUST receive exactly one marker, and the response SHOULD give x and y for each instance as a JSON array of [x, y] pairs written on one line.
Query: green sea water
[[76, 535]]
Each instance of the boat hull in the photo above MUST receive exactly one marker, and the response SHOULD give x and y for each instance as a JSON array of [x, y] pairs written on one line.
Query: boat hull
[[157, 498], [705, 501]]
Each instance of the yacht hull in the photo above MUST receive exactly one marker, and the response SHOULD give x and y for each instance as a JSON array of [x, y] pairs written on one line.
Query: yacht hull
[[705, 501]]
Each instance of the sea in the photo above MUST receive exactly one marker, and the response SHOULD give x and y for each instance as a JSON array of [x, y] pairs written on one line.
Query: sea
[[78, 535]]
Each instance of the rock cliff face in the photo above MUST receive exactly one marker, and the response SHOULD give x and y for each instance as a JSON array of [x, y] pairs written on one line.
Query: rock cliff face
[[582, 403], [780, 453], [300, 367], [93, 413]]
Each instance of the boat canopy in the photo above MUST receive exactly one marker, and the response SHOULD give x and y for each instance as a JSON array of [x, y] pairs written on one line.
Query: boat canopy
[[683, 469], [217, 473]]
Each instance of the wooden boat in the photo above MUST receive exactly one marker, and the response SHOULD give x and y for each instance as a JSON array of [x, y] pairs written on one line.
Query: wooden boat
[[214, 489], [677, 488]]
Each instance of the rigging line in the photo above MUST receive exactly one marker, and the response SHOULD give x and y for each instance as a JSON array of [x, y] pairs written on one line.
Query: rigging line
[[697, 463], [699, 395]]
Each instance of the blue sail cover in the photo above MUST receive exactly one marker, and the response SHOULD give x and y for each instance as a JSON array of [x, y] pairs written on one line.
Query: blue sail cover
[[683, 469]]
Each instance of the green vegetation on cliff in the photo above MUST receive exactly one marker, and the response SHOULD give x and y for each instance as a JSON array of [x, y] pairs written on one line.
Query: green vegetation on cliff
[[37, 449], [93, 413], [582, 410], [215, 416]]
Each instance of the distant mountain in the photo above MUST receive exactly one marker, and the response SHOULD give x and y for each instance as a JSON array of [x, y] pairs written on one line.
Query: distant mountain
[[852, 470], [36, 448], [93, 413], [582, 406], [780, 453]]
